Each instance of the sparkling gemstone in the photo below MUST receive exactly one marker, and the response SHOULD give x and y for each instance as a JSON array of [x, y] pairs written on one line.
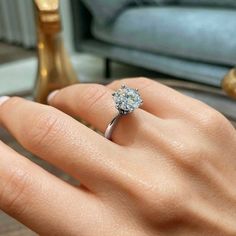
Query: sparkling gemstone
[[127, 99]]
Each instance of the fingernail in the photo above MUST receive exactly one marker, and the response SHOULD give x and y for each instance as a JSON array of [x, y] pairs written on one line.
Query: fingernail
[[3, 99], [52, 95]]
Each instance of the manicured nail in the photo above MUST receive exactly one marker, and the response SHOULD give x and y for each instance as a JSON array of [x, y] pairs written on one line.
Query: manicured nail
[[3, 99], [52, 95]]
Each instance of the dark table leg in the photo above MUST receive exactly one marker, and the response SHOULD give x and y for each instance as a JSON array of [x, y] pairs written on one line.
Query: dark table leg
[[107, 72]]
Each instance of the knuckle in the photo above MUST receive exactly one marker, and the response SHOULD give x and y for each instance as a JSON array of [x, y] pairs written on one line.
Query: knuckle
[[166, 201], [114, 83], [14, 193], [12, 102], [215, 125], [144, 128], [45, 130], [141, 81], [212, 119], [93, 95], [187, 153], [192, 157], [153, 137]]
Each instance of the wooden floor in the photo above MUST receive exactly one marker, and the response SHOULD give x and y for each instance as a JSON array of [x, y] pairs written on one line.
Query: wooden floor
[[10, 227], [9, 53]]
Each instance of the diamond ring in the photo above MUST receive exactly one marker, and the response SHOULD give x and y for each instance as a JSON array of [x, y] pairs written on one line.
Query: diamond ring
[[126, 101]]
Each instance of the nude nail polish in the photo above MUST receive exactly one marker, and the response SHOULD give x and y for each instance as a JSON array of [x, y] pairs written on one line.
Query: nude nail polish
[[52, 95], [3, 99]]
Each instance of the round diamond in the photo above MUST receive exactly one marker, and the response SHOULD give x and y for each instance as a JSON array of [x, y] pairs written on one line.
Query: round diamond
[[127, 99]]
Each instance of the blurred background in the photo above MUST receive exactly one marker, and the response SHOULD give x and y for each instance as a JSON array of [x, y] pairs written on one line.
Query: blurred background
[[186, 44]]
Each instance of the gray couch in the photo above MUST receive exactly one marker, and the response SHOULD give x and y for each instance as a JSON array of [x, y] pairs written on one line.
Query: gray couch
[[188, 39]]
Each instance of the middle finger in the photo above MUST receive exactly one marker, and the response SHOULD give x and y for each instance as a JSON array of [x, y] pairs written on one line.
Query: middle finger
[[60, 140]]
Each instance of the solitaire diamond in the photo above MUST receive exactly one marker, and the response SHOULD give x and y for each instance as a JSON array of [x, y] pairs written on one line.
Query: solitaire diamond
[[127, 99]]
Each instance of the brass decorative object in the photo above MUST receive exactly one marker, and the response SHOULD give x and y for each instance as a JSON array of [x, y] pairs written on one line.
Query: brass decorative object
[[229, 83], [55, 70]]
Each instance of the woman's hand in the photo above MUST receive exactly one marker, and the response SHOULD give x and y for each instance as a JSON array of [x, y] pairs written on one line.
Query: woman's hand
[[171, 169]]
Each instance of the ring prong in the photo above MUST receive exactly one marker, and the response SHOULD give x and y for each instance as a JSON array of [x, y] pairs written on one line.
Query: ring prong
[[123, 86]]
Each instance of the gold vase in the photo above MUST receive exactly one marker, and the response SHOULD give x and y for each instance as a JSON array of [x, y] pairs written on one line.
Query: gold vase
[[55, 69], [229, 83]]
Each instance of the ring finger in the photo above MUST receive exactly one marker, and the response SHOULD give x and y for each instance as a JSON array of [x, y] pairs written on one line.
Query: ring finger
[[93, 103], [163, 101]]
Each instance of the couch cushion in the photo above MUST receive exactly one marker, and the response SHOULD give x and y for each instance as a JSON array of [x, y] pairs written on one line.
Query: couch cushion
[[200, 34], [106, 10], [217, 3]]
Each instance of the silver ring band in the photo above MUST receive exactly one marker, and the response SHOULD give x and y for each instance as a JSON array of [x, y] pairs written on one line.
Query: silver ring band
[[111, 127]]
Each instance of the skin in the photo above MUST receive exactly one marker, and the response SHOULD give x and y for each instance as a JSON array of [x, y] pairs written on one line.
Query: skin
[[170, 170]]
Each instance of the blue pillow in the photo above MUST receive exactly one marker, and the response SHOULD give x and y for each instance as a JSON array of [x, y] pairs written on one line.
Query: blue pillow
[[106, 10], [217, 3]]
